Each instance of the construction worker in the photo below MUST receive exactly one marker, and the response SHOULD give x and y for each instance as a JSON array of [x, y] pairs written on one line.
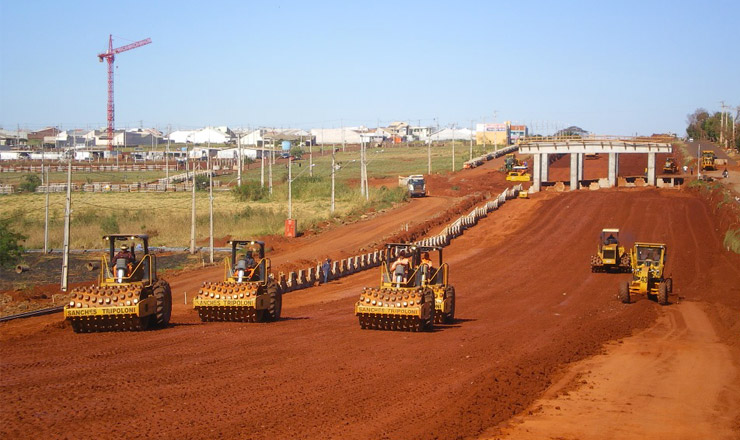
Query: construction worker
[[326, 270], [610, 240], [126, 254], [400, 269], [425, 267], [243, 264]]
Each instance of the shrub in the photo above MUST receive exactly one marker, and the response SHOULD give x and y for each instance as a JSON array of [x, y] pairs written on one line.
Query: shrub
[[109, 224], [30, 183], [202, 182], [732, 240], [250, 191], [10, 249]]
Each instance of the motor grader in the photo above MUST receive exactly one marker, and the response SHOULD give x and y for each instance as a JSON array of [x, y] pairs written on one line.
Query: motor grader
[[247, 294], [610, 256], [412, 296], [648, 274], [128, 295]]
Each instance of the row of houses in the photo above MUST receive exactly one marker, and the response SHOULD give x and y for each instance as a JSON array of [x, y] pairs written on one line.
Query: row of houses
[[396, 132]]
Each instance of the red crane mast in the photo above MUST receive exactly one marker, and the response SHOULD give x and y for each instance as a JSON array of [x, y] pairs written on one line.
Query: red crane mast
[[110, 56]]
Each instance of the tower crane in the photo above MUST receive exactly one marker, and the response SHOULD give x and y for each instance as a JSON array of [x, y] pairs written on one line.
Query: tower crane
[[110, 56]]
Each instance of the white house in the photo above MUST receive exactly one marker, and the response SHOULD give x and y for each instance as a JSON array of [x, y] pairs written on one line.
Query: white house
[[448, 134], [336, 136], [233, 153]]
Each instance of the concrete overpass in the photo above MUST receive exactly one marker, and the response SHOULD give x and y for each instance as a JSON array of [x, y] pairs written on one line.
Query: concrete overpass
[[577, 148]]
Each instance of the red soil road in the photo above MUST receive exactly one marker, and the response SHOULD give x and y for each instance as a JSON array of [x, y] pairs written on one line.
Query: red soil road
[[527, 306]]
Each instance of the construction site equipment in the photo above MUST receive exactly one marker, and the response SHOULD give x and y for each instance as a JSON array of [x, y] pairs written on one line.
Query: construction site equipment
[[410, 295], [648, 274], [523, 194], [610, 256], [415, 185], [670, 166], [707, 160], [518, 174], [128, 295], [510, 161], [110, 56], [248, 292]]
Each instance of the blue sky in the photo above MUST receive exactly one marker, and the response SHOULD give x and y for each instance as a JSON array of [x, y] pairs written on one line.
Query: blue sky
[[609, 67]]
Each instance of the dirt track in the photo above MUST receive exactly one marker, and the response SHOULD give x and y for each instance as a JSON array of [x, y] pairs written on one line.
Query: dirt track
[[527, 307]]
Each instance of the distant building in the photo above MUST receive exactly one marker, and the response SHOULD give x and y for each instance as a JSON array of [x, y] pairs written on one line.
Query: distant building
[[492, 134], [338, 136], [449, 133], [517, 132]]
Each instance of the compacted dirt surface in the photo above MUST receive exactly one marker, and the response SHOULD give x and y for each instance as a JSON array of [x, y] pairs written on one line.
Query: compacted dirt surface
[[532, 323]]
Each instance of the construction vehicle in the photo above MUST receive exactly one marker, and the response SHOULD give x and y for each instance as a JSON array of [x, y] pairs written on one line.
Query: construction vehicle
[[518, 174], [610, 256], [411, 296], [415, 184], [670, 166], [128, 295], [510, 161], [248, 292], [707, 160], [648, 274]]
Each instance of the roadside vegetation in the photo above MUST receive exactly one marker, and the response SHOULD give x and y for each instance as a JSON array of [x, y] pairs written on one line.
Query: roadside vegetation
[[701, 125]]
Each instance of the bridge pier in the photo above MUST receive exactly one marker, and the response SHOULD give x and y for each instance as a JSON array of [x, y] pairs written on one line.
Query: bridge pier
[[613, 169], [536, 172], [651, 169], [545, 165], [573, 171]]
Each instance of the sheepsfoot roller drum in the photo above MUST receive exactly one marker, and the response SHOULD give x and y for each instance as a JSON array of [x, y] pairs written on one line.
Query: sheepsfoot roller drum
[[247, 294], [413, 293], [128, 296], [648, 274]]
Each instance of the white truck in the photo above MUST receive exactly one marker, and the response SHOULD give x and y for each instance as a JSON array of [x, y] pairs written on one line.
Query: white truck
[[415, 184]]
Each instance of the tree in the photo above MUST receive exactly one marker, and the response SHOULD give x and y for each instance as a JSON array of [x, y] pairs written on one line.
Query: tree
[[10, 250], [30, 183]]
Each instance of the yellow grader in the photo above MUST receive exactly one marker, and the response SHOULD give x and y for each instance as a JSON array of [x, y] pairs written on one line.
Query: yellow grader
[[648, 277], [610, 256], [247, 294], [412, 296], [128, 295]]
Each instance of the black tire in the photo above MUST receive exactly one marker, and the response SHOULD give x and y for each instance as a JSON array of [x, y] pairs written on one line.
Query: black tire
[[449, 316], [662, 294], [669, 285], [163, 294], [276, 302], [77, 326], [624, 292], [429, 298]]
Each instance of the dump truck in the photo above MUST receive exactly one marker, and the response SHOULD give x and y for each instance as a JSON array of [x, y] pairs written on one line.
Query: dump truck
[[405, 299], [610, 256], [648, 274], [248, 292], [128, 296], [415, 185], [670, 166], [707, 160]]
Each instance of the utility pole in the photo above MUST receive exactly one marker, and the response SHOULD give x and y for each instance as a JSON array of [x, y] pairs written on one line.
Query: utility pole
[[239, 172], [429, 155], [192, 217], [272, 157], [290, 187], [453, 149], [210, 199], [167, 156], [471, 139], [722, 125], [698, 162], [67, 214], [310, 158], [262, 165], [46, 215], [362, 168], [333, 171]]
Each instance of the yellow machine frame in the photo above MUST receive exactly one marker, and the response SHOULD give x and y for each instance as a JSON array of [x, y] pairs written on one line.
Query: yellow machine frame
[[648, 266]]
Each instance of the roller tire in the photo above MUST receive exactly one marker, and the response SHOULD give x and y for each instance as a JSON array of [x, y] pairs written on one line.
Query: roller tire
[[163, 294], [662, 294], [624, 292], [449, 317], [276, 303], [428, 324], [669, 285]]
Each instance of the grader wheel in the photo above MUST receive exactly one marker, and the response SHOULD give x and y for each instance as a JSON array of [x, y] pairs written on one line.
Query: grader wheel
[[662, 294], [624, 292]]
